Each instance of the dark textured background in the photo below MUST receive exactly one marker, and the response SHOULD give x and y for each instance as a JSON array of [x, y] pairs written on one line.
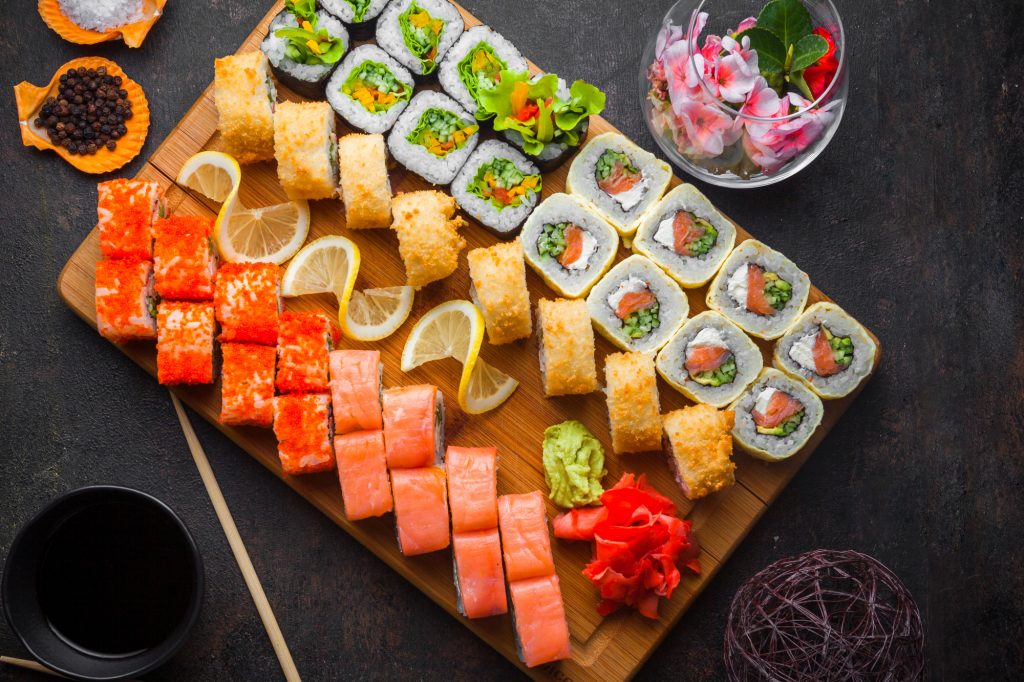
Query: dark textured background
[[911, 219]]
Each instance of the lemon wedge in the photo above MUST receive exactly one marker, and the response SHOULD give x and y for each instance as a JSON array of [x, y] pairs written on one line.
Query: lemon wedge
[[215, 175], [375, 314], [327, 265], [271, 234]]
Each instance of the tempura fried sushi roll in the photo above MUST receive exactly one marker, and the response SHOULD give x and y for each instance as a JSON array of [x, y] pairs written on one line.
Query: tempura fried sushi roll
[[247, 384], [538, 614], [370, 89], [434, 137], [498, 287], [472, 488], [479, 579], [245, 95], [634, 410], [365, 185], [126, 210], [355, 383], [569, 245], [685, 235], [710, 360], [475, 63], [363, 471], [125, 305], [302, 424], [418, 33], [760, 290], [421, 510], [776, 416], [525, 542], [428, 235], [637, 306], [698, 441], [359, 15], [566, 347], [303, 345], [306, 148], [303, 51], [184, 343], [413, 426], [498, 186], [184, 262], [247, 297]]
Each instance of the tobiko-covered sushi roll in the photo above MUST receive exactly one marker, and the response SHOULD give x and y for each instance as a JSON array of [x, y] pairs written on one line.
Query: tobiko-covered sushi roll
[[184, 262], [775, 416], [434, 137], [306, 148], [418, 33], [421, 510], [498, 288], [365, 184], [302, 424], [356, 388], [303, 347], [413, 426], [245, 95], [498, 187], [304, 46], [363, 473], [370, 89], [475, 63], [184, 343], [125, 303], [126, 211], [247, 384], [360, 15], [247, 297], [634, 409], [565, 347]]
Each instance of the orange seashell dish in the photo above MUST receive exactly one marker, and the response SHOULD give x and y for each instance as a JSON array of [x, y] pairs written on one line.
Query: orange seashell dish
[[30, 99], [133, 34]]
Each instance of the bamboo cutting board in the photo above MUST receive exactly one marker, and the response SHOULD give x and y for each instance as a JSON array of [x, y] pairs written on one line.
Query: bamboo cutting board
[[610, 648]]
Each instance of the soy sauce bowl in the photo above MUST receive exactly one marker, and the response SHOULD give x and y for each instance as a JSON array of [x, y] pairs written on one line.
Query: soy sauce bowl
[[96, 532]]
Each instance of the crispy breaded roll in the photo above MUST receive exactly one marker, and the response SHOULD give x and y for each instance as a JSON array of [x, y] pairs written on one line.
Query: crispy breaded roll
[[634, 413], [305, 146], [498, 288], [428, 235], [699, 446], [365, 186], [245, 95], [566, 347]]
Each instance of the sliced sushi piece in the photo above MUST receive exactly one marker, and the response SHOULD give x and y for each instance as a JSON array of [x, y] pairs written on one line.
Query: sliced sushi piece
[[356, 386], [434, 137], [245, 95], [475, 63], [421, 510], [827, 350], [418, 33], [247, 297], [698, 440], [498, 288], [184, 261], [637, 306], [775, 416], [413, 426], [634, 410], [538, 612], [360, 15], [126, 210], [363, 470], [568, 244], [479, 580], [302, 424], [306, 148], [303, 345], [710, 360], [685, 235], [247, 384], [184, 345], [565, 344], [303, 47], [125, 304], [370, 89], [524, 536], [472, 488], [498, 187], [365, 185], [428, 235], [760, 290]]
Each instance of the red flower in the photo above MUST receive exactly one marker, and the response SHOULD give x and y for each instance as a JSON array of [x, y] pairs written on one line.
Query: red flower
[[820, 75]]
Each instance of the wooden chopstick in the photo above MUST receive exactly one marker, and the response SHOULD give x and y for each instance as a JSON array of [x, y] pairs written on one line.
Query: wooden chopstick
[[284, 656], [29, 665]]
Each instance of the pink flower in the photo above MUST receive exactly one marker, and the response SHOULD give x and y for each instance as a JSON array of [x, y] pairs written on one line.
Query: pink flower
[[667, 36], [733, 73], [749, 22], [704, 129], [712, 47], [762, 101], [771, 144]]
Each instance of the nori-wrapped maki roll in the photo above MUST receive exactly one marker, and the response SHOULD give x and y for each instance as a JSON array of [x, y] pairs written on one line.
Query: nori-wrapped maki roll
[[359, 15], [304, 46], [418, 33]]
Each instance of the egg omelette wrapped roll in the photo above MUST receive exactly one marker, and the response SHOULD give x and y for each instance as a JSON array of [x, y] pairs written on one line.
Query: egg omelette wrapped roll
[[305, 145], [634, 412], [245, 95], [428, 235], [365, 185], [498, 288], [566, 347]]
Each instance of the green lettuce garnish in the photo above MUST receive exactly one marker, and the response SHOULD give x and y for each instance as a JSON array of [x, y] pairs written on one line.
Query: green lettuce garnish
[[422, 33], [301, 40], [359, 8], [480, 69], [302, 9], [501, 183]]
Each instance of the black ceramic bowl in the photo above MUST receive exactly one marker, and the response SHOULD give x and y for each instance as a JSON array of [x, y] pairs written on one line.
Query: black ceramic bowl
[[80, 591]]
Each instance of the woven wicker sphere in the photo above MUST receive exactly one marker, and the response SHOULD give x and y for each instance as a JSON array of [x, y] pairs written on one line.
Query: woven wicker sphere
[[824, 616]]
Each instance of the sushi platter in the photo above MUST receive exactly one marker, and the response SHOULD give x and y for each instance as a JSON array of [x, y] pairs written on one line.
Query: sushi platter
[[603, 647]]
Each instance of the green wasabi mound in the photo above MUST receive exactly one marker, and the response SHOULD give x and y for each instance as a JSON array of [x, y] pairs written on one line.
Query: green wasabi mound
[[573, 464]]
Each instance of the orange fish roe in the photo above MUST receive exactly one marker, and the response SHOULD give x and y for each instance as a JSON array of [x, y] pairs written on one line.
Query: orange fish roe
[[124, 300], [303, 347], [247, 385], [248, 302], [184, 263], [126, 210], [302, 424], [184, 346]]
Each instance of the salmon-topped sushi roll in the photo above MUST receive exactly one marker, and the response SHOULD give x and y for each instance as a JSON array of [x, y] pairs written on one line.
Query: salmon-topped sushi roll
[[184, 260], [247, 297], [302, 424], [775, 416], [472, 487], [125, 305], [479, 581], [303, 345], [355, 383], [421, 510], [542, 632], [363, 471], [126, 210], [524, 536], [247, 385], [184, 345], [413, 426]]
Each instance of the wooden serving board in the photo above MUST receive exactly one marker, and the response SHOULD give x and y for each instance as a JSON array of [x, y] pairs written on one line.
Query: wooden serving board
[[611, 648]]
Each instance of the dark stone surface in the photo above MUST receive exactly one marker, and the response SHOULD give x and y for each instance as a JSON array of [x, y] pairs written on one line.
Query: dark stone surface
[[911, 219]]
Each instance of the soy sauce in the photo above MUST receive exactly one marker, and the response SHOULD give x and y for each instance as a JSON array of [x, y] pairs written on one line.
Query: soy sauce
[[115, 579]]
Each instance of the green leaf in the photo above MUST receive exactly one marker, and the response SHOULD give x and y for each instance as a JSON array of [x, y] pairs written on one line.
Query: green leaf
[[584, 100], [789, 20], [771, 53], [808, 51]]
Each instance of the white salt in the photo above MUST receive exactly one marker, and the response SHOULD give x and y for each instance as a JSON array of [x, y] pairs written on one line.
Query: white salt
[[102, 15]]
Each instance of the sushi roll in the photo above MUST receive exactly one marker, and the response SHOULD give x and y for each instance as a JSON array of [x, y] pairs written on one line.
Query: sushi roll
[[621, 180], [303, 346], [359, 15], [304, 46], [569, 245], [760, 290], [356, 387], [637, 306], [413, 426], [125, 304], [363, 472], [370, 89], [126, 210], [634, 410], [498, 187], [245, 96], [475, 63], [498, 288], [710, 360], [538, 614], [479, 579], [247, 298], [565, 344], [472, 488], [828, 350], [184, 342], [302, 425], [184, 263], [524, 536], [306, 148], [418, 33], [421, 510], [685, 235], [428, 235], [433, 137], [365, 185], [247, 385], [698, 440], [776, 416]]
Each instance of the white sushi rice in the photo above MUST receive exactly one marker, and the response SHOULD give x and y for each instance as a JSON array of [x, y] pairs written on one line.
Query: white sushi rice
[[389, 32], [448, 71], [274, 47], [415, 157], [504, 221], [351, 110], [102, 15], [344, 10], [767, 446]]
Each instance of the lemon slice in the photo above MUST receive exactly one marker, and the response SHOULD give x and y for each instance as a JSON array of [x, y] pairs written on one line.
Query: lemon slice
[[487, 388], [327, 265], [215, 175], [375, 314], [271, 234]]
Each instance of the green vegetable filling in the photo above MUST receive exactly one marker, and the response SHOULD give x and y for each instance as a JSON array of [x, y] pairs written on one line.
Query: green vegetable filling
[[480, 69], [374, 86], [151, 305], [777, 291], [842, 348], [725, 374], [308, 44], [500, 182], [705, 242], [641, 322], [551, 241], [359, 8], [421, 33], [785, 428], [606, 163], [441, 132]]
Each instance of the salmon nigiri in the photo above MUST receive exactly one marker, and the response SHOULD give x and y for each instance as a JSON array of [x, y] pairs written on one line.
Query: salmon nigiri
[[363, 471], [524, 536], [479, 581], [421, 510], [413, 426], [541, 628], [355, 390], [472, 487]]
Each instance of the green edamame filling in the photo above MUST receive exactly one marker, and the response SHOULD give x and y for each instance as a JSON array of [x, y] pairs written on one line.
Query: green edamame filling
[[359, 8], [606, 164], [842, 348], [374, 86], [480, 69], [704, 243], [777, 291], [421, 33], [725, 374], [500, 182], [640, 323], [785, 428], [441, 132], [151, 304], [552, 239]]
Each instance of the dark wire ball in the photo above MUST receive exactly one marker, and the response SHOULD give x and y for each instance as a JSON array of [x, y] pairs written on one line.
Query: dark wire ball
[[824, 616]]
